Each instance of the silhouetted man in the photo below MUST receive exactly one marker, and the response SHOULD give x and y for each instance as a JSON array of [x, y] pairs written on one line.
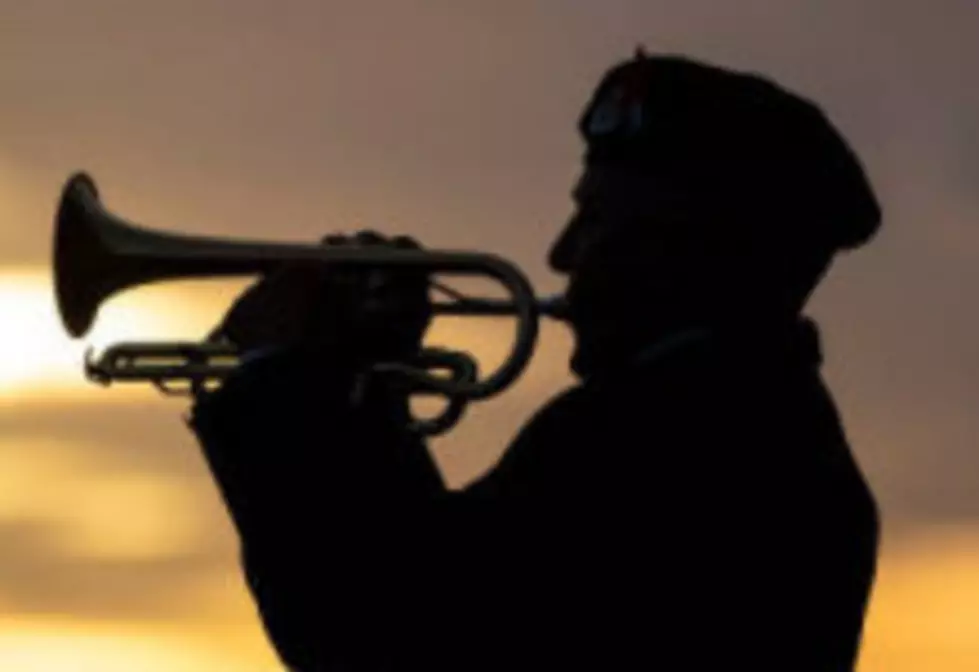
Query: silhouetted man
[[692, 503]]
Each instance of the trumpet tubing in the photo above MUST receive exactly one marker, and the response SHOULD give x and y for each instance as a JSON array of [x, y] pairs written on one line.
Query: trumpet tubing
[[97, 254]]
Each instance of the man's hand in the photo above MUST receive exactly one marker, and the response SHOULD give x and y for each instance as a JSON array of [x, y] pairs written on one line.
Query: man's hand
[[283, 437], [358, 315]]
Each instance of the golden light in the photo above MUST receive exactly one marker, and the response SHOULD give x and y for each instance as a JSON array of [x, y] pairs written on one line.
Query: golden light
[[32, 349], [96, 514], [925, 609], [67, 646], [39, 361]]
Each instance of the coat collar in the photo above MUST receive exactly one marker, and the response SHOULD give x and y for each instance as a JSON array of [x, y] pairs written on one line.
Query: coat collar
[[797, 341]]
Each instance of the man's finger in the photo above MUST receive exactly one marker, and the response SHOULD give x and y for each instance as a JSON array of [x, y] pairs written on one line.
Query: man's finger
[[334, 239], [369, 237], [405, 242]]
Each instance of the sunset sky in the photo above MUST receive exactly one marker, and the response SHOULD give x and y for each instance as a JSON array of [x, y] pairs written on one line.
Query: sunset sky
[[453, 122]]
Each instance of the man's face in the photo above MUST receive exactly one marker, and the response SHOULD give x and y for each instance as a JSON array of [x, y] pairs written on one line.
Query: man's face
[[627, 253]]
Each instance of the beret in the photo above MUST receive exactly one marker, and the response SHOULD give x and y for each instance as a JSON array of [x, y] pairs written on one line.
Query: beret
[[739, 141]]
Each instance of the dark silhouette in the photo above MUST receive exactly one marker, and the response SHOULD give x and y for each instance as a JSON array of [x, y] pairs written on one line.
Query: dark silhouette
[[692, 504]]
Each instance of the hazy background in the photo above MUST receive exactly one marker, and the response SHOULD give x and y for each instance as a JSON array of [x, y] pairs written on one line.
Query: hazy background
[[454, 122]]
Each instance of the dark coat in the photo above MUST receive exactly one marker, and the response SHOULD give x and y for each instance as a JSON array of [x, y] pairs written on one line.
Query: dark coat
[[697, 510]]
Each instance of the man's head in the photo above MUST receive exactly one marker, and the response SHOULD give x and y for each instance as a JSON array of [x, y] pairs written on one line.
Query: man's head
[[708, 197]]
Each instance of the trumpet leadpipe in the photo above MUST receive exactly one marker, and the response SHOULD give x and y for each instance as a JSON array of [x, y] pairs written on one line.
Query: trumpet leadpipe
[[554, 307]]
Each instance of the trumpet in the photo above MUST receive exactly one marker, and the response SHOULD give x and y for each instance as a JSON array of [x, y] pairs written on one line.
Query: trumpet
[[98, 254]]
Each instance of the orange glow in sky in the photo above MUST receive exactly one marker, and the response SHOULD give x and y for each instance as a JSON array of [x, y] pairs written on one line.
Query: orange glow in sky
[[59, 645], [35, 352], [41, 361]]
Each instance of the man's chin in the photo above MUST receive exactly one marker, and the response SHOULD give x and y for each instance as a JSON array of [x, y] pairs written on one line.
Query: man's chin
[[583, 360], [592, 348], [579, 367]]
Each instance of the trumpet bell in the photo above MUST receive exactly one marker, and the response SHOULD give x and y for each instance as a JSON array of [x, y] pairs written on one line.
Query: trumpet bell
[[80, 257], [97, 254]]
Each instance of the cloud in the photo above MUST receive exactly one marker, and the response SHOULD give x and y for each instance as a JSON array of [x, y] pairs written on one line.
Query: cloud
[[85, 529]]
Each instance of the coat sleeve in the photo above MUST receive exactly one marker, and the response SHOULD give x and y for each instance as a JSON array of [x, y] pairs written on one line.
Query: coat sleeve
[[333, 504]]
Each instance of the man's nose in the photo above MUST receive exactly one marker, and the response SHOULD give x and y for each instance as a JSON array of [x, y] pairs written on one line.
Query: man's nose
[[564, 251]]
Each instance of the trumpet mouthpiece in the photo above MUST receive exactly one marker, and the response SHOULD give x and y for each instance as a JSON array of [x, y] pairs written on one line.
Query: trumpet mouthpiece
[[555, 306]]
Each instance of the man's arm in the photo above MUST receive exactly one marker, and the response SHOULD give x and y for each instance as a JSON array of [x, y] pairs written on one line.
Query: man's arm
[[330, 501]]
